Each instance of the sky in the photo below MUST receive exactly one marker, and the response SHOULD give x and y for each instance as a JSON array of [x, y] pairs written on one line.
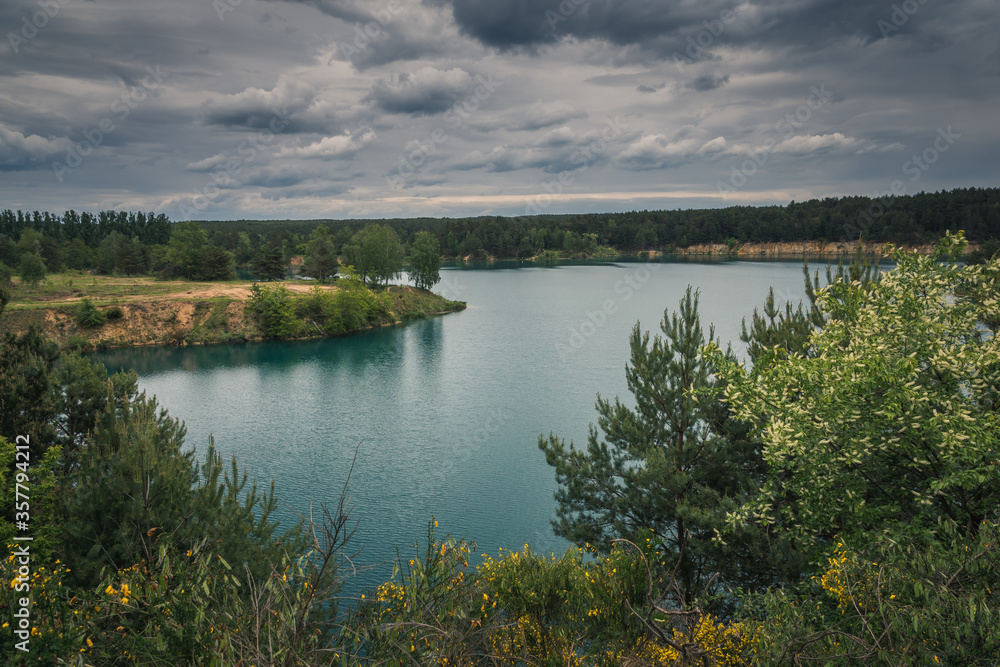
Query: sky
[[270, 109]]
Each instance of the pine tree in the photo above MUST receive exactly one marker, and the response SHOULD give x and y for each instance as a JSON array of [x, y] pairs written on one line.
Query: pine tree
[[269, 264], [674, 465]]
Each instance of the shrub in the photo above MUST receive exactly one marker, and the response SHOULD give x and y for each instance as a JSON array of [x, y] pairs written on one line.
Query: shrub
[[114, 313], [524, 608], [273, 311], [932, 600], [76, 343], [87, 314]]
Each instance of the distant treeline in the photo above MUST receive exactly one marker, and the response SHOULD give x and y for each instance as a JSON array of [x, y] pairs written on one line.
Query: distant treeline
[[136, 242], [920, 218], [148, 228]]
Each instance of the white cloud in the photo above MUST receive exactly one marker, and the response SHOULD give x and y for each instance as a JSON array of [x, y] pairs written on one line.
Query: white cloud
[[342, 145], [256, 108], [817, 142], [19, 151], [655, 151]]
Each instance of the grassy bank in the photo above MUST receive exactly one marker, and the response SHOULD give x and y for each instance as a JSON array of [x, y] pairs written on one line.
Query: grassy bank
[[125, 312]]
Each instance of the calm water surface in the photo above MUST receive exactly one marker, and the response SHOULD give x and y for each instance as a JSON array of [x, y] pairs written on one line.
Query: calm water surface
[[448, 410]]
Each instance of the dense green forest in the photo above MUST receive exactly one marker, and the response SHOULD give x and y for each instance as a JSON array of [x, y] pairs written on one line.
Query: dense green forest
[[834, 502], [129, 243], [920, 218]]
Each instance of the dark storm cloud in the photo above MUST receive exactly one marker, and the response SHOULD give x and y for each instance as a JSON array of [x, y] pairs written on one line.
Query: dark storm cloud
[[425, 92], [666, 27], [707, 82], [383, 32]]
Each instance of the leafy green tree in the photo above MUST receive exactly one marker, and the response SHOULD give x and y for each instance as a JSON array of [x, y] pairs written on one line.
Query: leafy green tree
[[89, 315], [674, 464], [985, 252], [895, 597], [187, 240], [55, 398], [246, 249], [321, 257], [32, 269], [42, 486], [425, 260], [269, 264], [356, 305], [892, 419], [343, 238], [378, 256], [30, 242], [107, 253], [8, 250]]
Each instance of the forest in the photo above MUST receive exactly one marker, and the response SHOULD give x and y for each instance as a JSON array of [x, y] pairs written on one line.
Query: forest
[[130, 243], [917, 219]]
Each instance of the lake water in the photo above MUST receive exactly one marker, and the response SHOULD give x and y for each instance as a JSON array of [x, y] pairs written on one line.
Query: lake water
[[447, 410]]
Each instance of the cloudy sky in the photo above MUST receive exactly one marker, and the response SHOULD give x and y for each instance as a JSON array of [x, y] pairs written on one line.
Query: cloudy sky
[[220, 109]]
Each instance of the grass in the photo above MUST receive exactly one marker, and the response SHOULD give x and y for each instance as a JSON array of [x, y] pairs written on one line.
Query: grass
[[410, 302], [103, 290]]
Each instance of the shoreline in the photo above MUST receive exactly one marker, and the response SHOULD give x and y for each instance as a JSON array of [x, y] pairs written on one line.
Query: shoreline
[[187, 322], [777, 251]]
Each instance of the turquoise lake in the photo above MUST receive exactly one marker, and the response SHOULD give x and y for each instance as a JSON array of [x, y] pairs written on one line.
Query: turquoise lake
[[447, 410]]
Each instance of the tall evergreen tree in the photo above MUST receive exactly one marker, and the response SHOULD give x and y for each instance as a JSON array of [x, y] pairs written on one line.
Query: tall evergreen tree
[[214, 263], [131, 256], [269, 264]]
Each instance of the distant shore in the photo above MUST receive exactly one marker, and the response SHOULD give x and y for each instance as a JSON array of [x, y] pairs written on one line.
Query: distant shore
[[781, 250]]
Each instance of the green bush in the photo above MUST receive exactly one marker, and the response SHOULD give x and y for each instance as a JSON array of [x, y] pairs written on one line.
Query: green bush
[[272, 309], [76, 342], [87, 314], [929, 600], [350, 307], [114, 313]]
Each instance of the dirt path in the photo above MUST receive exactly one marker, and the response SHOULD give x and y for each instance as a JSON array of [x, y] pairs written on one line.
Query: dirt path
[[209, 291], [181, 291]]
